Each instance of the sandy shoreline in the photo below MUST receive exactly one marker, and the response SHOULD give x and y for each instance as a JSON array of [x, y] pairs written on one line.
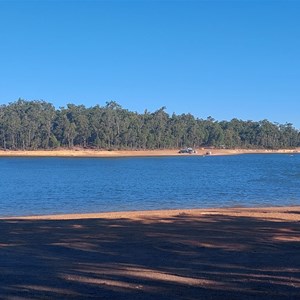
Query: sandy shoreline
[[235, 253], [132, 153], [279, 213]]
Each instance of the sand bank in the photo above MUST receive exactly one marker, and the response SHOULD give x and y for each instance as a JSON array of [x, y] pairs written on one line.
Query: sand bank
[[234, 253], [133, 153], [271, 213]]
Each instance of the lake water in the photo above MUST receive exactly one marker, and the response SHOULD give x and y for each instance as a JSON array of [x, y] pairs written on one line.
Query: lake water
[[69, 185]]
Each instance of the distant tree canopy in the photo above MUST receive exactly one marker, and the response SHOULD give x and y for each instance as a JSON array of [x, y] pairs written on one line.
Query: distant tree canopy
[[30, 125]]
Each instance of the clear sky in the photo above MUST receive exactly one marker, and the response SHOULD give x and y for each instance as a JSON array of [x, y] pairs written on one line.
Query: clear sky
[[223, 59]]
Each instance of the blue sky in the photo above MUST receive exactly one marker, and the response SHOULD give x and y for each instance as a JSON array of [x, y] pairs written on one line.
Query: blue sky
[[223, 59]]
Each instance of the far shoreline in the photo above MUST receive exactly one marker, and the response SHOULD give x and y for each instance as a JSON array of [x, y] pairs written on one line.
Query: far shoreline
[[139, 153]]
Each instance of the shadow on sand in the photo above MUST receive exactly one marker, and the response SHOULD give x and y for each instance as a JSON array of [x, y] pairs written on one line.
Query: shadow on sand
[[184, 257]]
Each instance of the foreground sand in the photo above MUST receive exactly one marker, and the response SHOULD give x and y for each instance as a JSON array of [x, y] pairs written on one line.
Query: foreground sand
[[233, 253], [132, 153]]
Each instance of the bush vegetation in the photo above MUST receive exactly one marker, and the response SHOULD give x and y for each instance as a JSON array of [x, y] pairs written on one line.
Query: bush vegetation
[[31, 125]]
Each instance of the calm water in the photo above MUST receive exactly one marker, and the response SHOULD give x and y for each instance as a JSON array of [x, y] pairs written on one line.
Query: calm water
[[68, 185]]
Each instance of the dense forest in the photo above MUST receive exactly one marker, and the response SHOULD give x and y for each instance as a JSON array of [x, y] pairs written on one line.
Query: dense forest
[[30, 125]]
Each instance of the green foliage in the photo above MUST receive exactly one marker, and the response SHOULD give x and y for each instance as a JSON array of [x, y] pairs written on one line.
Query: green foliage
[[30, 125]]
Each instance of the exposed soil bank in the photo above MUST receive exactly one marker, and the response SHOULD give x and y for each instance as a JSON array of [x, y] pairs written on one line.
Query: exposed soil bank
[[132, 153]]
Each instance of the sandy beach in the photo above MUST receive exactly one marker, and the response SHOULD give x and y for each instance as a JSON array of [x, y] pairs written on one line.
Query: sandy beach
[[135, 153], [235, 253]]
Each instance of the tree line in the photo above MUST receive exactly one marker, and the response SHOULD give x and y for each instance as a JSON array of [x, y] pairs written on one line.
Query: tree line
[[31, 125]]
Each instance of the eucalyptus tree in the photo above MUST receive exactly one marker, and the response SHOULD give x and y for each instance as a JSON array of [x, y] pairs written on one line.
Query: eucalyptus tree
[[3, 126], [64, 127], [158, 122], [78, 116], [289, 136], [269, 135]]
